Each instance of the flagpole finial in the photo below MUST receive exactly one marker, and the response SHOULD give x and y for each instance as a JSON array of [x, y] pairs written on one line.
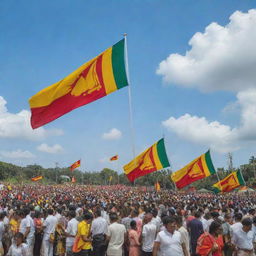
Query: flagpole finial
[[125, 34]]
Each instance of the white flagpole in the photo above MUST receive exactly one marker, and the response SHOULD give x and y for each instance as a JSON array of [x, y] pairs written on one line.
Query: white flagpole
[[130, 98]]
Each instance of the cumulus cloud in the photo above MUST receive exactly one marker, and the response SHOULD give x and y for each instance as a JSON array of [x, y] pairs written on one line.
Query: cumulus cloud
[[55, 149], [17, 154], [113, 134], [18, 125], [220, 58], [213, 134]]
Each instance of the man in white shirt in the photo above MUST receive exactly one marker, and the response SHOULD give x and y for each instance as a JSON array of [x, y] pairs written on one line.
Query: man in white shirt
[[71, 231], [99, 230], [49, 228], [116, 235], [148, 235], [237, 225], [243, 238], [168, 242], [30, 238]]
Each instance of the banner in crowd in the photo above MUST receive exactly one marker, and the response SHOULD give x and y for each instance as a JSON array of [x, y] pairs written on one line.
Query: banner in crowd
[[95, 79], [152, 159], [75, 165], [199, 168], [229, 183], [157, 186], [37, 178]]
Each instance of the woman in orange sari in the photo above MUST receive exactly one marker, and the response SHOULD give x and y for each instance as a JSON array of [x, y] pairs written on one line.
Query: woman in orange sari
[[211, 244], [134, 249]]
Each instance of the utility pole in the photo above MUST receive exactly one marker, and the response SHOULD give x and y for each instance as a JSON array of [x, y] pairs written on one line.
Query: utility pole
[[56, 172]]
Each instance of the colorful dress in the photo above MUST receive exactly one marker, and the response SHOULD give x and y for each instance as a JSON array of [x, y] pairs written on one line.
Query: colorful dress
[[134, 249]]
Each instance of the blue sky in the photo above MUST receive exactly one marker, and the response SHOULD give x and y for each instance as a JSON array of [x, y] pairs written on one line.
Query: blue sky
[[201, 95]]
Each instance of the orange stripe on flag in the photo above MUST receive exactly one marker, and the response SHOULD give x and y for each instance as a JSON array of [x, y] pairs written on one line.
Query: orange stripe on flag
[[75, 165]]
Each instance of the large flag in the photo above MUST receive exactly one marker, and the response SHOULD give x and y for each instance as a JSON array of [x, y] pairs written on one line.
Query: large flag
[[95, 79], [37, 178], [113, 158], [157, 186], [75, 165], [152, 159], [232, 181], [198, 169]]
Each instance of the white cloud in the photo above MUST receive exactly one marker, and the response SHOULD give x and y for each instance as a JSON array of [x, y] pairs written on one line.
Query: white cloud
[[113, 134], [221, 58], [18, 125], [17, 154], [55, 149], [220, 137]]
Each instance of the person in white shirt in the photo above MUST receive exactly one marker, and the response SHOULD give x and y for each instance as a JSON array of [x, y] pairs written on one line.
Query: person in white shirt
[[168, 242], [148, 234], [156, 219], [116, 235], [183, 231], [237, 225], [30, 237], [243, 238], [18, 248], [99, 230], [49, 228], [71, 231]]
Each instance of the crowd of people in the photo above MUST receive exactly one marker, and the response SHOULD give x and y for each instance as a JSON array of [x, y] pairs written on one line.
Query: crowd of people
[[78, 220]]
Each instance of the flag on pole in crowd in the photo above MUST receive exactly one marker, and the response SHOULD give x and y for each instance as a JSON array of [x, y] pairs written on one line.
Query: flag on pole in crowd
[[37, 178], [75, 165], [93, 80], [198, 169], [73, 179], [229, 183], [152, 159], [157, 186], [113, 158]]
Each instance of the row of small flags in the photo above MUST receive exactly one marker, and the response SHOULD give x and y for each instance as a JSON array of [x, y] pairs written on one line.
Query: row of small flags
[[97, 78]]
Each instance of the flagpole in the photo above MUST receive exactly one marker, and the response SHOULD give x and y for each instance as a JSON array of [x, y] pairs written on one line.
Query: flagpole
[[242, 176], [130, 97]]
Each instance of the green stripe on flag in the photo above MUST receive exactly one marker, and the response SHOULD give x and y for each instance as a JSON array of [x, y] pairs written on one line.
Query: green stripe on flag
[[209, 162], [216, 190], [162, 153], [240, 178], [118, 64]]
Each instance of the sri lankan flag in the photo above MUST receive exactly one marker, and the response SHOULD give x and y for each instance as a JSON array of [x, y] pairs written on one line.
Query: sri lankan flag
[[198, 169], [232, 181], [75, 165], [37, 178], [95, 79], [152, 159], [113, 158]]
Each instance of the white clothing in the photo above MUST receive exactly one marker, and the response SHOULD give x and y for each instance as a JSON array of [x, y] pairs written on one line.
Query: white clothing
[[170, 244], [1, 230], [23, 225], [148, 236], [157, 221], [71, 230], [49, 224], [242, 239], [99, 226], [21, 250], [116, 233], [184, 237], [205, 224], [236, 226]]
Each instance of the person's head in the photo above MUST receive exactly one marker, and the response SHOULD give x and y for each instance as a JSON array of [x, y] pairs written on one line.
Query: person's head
[[154, 212], [135, 213], [88, 217], [148, 217], [170, 224], [18, 238], [113, 217], [97, 212], [1, 216], [72, 214], [215, 215], [247, 224], [254, 221], [215, 228], [50, 211], [133, 225], [197, 214], [228, 218], [179, 221], [238, 217]]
